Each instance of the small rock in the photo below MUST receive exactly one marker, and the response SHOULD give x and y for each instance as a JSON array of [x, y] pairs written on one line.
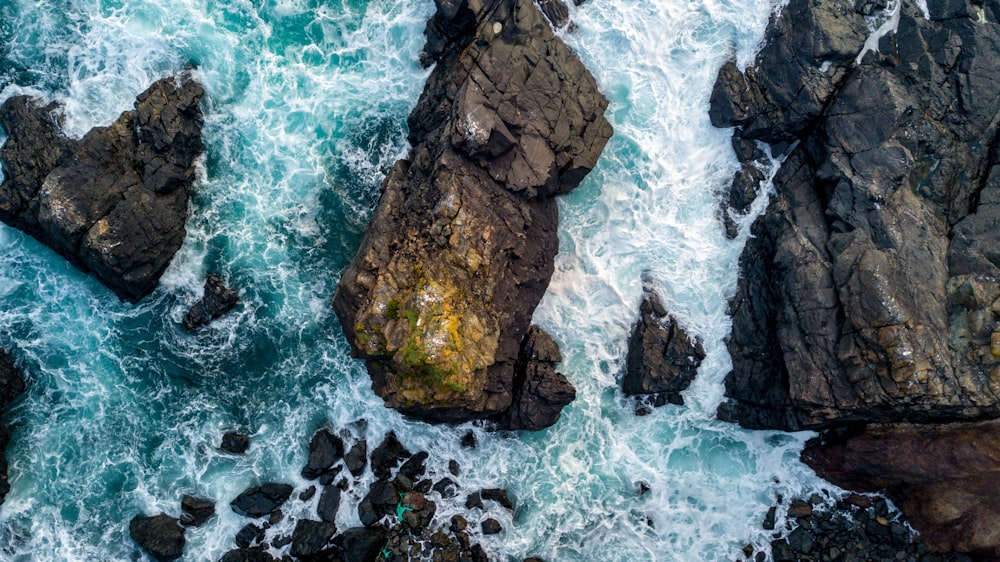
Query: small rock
[[247, 555], [491, 527], [217, 300], [453, 467], [195, 511], [325, 449], [249, 535], [387, 455], [458, 523], [329, 503], [498, 495], [160, 535], [236, 443], [469, 440], [424, 486], [258, 501], [449, 489], [474, 499], [307, 494], [769, 519], [356, 458], [799, 509]]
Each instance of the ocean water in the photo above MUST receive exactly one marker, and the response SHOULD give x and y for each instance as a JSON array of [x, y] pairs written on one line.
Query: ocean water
[[304, 113]]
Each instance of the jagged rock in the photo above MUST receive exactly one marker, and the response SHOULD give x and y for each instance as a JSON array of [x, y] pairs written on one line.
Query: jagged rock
[[195, 511], [217, 300], [662, 358], [115, 202], [555, 11], [311, 537], [381, 500], [414, 467], [356, 458], [540, 392], [360, 544], [159, 535], [446, 488], [249, 535], [943, 477], [259, 501], [491, 526], [247, 555], [11, 385], [236, 443], [460, 249], [387, 455], [498, 495], [325, 448], [329, 503], [416, 510]]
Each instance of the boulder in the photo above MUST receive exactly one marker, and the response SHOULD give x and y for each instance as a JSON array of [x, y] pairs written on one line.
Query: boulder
[[329, 503], [195, 511], [236, 443], [311, 537], [11, 385], [662, 358], [247, 555], [388, 455], [460, 248], [325, 448], [250, 535], [356, 459], [360, 544], [540, 392], [217, 300], [381, 500], [160, 535], [942, 476], [258, 501], [114, 203], [491, 526]]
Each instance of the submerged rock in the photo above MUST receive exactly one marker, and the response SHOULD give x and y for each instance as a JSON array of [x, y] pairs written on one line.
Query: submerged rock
[[662, 358], [160, 535], [217, 300], [113, 203], [234, 442], [460, 249]]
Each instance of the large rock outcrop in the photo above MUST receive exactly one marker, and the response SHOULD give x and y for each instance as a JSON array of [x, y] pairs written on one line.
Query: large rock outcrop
[[113, 203], [11, 385], [460, 249], [868, 291]]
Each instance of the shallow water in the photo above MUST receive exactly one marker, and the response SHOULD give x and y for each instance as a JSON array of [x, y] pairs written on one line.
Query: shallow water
[[305, 111]]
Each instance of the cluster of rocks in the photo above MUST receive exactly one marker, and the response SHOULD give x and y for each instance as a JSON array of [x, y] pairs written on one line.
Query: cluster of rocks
[[855, 528], [113, 203], [662, 358], [868, 290], [439, 297], [397, 511], [11, 385]]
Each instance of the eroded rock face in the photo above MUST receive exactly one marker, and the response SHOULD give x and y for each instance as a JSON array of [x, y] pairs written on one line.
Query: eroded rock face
[[944, 477], [113, 203], [461, 247], [868, 290], [540, 392], [662, 358]]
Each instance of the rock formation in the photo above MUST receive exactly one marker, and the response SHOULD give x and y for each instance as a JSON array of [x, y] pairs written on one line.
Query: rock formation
[[11, 385], [868, 290], [662, 358], [113, 203], [460, 248], [216, 301]]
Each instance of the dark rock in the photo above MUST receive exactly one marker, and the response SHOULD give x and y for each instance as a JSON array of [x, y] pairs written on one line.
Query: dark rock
[[403, 482], [195, 511], [662, 358], [474, 499], [387, 456], [799, 509], [360, 544], [281, 541], [311, 537], [491, 527], [308, 493], [113, 203], [258, 501], [460, 249], [325, 449], [11, 385], [498, 495], [424, 486], [417, 511], [540, 393], [329, 503], [768, 524], [236, 443], [330, 476], [414, 466], [458, 523], [943, 477], [446, 487], [479, 554], [356, 458], [555, 11], [453, 467], [217, 300], [160, 535], [381, 500], [249, 535], [247, 555], [469, 440]]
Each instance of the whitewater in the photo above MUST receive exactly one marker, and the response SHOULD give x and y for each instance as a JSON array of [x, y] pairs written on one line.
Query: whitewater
[[305, 111]]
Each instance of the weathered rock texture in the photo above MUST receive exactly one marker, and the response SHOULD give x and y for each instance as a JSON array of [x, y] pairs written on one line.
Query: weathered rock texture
[[662, 358], [11, 385], [216, 301], [869, 289], [159, 535], [113, 203], [943, 477], [460, 249]]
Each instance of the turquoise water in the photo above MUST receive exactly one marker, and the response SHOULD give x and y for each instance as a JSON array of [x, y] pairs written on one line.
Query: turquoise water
[[305, 111]]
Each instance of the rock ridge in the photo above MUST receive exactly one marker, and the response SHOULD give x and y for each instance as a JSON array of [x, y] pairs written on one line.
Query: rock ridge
[[113, 203], [460, 249]]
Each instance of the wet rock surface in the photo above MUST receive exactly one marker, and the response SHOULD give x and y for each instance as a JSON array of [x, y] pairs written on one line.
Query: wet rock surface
[[11, 385], [461, 246], [258, 501], [218, 299], [196, 511], [540, 392], [113, 203], [160, 535], [662, 358]]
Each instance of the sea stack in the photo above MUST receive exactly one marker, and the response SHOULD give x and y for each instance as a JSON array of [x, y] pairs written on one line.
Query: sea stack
[[460, 249], [868, 290], [113, 203]]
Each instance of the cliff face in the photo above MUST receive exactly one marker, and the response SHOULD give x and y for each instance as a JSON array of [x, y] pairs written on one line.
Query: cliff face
[[113, 203], [460, 249], [869, 287]]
